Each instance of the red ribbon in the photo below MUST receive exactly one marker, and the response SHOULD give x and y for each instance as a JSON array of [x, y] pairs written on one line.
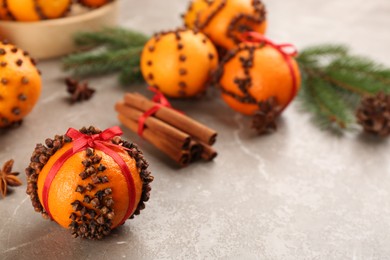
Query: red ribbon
[[161, 101], [287, 50], [100, 142]]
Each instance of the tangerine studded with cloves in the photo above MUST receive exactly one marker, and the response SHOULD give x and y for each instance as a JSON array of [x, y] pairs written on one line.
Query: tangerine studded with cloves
[[20, 84], [254, 73], [179, 63], [224, 21], [4, 14], [194, 9], [89, 194], [35, 10]]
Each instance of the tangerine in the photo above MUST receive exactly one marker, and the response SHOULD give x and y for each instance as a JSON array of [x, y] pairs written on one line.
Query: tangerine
[[179, 63], [20, 84], [89, 193], [53, 9], [4, 15], [254, 73], [193, 11], [224, 21], [35, 10]]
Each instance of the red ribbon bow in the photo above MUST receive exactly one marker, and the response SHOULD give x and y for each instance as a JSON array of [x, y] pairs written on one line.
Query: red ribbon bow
[[161, 101], [287, 50], [100, 142], [81, 140]]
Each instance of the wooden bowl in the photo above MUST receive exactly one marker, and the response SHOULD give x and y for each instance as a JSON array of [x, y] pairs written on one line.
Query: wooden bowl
[[54, 38]]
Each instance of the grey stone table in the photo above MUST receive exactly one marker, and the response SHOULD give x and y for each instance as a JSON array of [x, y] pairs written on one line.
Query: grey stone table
[[297, 194]]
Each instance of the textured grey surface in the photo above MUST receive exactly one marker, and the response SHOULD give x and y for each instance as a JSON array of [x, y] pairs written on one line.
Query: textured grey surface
[[298, 194]]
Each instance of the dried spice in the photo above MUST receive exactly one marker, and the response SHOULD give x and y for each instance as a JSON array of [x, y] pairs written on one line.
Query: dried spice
[[373, 114], [8, 178], [181, 138], [79, 91], [264, 121]]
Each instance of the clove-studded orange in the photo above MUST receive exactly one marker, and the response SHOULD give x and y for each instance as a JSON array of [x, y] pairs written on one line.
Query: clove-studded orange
[[179, 63], [94, 3], [35, 10], [20, 84], [4, 15], [225, 20], [255, 73], [193, 11], [90, 191]]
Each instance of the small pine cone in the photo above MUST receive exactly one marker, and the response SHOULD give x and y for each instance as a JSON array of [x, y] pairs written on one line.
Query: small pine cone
[[373, 114], [264, 121]]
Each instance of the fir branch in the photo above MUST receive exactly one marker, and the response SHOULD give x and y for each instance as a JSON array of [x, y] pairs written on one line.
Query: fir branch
[[112, 38], [97, 63], [112, 50], [363, 68], [313, 55], [321, 98], [354, 82], [130, 75], [324, 50], [334, 81], [327, 75]]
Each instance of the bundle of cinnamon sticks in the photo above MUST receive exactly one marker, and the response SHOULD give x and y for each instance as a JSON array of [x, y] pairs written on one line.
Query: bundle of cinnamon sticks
[[181, 138]]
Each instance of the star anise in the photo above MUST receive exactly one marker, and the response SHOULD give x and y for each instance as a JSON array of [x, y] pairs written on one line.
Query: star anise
[[8, 178], [264, 121], [373, 114], [79, 91]]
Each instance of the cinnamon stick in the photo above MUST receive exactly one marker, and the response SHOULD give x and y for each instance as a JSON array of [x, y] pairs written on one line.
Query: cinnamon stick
[[164, 130], [174, 152], [195, 151], [208, 153], [174, 118]]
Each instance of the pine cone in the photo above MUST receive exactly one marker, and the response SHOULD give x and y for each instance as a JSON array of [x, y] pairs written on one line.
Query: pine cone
[[264, 121], [374, 114]]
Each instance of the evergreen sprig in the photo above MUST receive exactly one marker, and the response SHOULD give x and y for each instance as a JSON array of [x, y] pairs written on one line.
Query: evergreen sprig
[[112, 38], [334, 81], [108, 51]]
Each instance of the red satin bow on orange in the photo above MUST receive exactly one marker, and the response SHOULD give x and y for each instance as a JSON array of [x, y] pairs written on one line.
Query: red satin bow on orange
[[81, 140]]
